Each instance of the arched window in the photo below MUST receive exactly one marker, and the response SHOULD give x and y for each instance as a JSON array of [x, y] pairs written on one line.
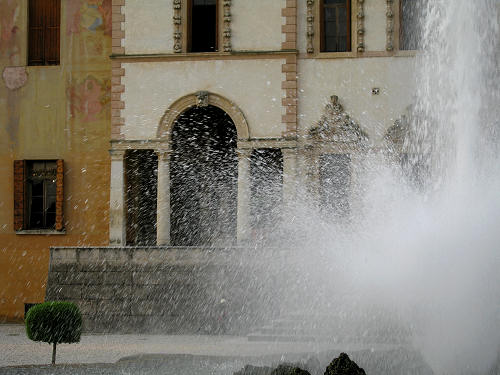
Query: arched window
[[335, 25]]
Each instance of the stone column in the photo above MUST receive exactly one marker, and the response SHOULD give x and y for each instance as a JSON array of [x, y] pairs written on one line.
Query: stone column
[[289, 176], [163, 199], [243, 222], [117, 220]]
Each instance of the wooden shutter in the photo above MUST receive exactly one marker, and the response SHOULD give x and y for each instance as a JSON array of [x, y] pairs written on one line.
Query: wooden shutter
[[36, 33], [19, 196], [44, 32], [52, 26], [59, 194]]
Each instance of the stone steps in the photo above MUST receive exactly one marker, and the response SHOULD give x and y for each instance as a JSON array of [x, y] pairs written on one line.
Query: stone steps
[[329, 328]]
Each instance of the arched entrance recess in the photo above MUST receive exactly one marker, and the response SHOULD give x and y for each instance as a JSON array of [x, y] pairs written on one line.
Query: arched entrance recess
[[167, 215], [201, 99]]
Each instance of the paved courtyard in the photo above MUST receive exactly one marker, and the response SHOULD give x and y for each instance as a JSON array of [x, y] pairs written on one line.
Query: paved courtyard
[[16, 349], [186, 355]]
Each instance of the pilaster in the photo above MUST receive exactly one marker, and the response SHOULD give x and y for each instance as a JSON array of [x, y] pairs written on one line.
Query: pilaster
[[117, 220], [163, 199], [289, 175], [243, 218]]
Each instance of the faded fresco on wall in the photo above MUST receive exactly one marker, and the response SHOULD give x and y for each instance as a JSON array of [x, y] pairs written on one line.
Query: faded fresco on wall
[[9, 47], [89, 98], [52, 112], [88, 22]]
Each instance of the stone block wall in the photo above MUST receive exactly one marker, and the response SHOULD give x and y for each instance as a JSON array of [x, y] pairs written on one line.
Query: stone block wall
[[167, 290]]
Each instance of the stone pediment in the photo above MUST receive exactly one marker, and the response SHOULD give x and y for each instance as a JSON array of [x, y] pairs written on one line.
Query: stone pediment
[[336, 126], [396, 134]]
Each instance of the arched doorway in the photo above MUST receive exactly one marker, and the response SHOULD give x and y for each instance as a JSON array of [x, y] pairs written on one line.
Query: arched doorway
[[204, 174]]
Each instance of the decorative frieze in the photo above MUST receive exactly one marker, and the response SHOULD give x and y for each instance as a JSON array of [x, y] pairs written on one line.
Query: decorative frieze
[[390, 25], [177, 26], [361, 26], [226, 36], [310, 26]]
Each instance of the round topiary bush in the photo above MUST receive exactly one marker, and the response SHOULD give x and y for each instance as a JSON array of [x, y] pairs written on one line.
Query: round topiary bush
[[54, 323]]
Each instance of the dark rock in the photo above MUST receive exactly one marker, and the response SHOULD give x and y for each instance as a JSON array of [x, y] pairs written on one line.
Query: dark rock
[[254, 370], [344, 366], [282, 369], [312, 365], [289, 370]]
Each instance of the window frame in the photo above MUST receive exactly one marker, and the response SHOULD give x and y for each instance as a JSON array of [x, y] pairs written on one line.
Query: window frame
[[23, 199], [187, 28], [398, 24], [44, 61], [319, 32]]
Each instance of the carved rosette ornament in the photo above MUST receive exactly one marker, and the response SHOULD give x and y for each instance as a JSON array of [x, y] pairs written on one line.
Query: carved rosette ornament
[[390, 26], [227, 26], [336, 125], [177, 26], [361, 26], [310, 26]]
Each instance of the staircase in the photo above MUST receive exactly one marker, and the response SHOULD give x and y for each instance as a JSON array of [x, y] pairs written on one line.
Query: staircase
[[334, 328]]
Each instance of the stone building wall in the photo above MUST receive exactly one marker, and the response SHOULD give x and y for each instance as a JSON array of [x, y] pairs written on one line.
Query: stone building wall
[[169, 290]]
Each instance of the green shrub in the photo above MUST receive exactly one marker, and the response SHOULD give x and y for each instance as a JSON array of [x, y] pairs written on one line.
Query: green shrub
[[54, 323]]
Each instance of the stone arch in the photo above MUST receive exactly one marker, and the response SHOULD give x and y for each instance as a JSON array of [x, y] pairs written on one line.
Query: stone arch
[[202, 99]]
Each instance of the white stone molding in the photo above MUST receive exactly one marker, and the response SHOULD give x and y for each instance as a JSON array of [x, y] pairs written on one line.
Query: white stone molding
[[390, 25], [310, 26], [177, 26], [166, 125], [117, 232], [361, 26], [226, 35], [163, 199]]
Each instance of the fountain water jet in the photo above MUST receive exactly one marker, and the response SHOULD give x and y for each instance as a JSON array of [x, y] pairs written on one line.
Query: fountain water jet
[[428, 256]]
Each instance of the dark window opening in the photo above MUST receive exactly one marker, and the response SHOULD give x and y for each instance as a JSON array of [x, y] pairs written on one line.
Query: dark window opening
[[266, 171], [202, 26], [141, 171], [335, 25], [410, 30], [203, 178], [44, 32], [335, 182], [41, 193]]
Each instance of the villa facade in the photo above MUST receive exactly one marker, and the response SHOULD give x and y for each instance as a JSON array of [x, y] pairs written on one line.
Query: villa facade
[[307, 86], [216, 114]]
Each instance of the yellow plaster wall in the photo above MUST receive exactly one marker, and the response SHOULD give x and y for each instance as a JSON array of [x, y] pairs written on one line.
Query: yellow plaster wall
[[62, 112]]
